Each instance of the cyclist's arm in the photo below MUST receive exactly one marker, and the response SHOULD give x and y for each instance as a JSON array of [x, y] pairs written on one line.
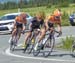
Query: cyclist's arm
[[14, 25], [46, 24], [24, 27], [16, 19]]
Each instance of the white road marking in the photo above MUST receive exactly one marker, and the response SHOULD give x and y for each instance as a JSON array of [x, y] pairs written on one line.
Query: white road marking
[[7, 51]]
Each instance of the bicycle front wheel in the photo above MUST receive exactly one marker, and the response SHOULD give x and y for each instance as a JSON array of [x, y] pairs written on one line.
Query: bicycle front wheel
[[48, 46], [12, 46]]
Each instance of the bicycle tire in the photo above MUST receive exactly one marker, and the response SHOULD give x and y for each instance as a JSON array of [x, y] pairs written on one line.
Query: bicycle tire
[[49, 50], [26, 47], [12, 46], [31, 46], [31, 43], [36, 52]]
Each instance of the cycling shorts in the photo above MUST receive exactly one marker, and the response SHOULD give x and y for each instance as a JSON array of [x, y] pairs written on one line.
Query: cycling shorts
[[19, 25], [50, 24]]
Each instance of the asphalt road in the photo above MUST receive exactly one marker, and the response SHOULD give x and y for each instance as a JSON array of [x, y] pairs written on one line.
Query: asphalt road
[[18, 56]]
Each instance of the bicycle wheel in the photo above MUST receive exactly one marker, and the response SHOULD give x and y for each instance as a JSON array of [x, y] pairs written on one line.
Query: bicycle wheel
[[12, 45], [36, 52], [27, 45], [73, 49], [32, 42], [30, 48], [49, 45]]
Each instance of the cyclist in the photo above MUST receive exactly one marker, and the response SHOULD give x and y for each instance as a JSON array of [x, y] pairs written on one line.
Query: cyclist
[[49, 25], [57, 16], [19, 23], [36, 23]]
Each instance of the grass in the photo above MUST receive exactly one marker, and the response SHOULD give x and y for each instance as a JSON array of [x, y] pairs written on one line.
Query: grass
[[36, 9], [48, 11], [66, 44]]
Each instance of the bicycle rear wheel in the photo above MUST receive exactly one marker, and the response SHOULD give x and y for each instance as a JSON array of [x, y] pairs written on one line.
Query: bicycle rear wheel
[[48, 46], [36, 52]]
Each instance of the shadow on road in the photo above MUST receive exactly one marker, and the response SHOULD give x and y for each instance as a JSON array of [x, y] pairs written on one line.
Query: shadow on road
[[5, 33], [61, 55], [52, 55]]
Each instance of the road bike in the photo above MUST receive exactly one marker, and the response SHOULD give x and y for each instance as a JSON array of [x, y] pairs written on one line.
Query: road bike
[[46, 45], [73, 48], [31, 42], [14, 40]]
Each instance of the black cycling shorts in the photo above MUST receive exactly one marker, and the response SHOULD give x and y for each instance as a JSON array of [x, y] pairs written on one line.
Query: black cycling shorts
[[32, 29], [50, 24], [19, 25]]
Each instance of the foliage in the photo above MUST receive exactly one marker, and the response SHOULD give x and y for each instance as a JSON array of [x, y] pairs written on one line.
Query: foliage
[[65, 19], [49, 6], [67, 43], [65, 12], [65, 4], [35, 3]]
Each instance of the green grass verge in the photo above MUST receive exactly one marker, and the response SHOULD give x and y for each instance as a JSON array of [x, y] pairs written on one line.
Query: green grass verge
[[66, 44], [66, 11]]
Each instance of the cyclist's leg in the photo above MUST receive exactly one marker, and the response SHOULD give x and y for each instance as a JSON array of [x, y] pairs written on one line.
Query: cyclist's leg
[[51, 32], [40, 38], [26, 38], [43, 31], [19, 33], [13, 33]]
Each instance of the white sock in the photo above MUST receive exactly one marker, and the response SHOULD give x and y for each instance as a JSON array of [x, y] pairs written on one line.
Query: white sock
[[36, 46], [10, 39]]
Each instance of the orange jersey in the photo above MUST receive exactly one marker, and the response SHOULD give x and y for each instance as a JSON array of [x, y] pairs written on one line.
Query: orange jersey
[[53, 19], [20, 19]]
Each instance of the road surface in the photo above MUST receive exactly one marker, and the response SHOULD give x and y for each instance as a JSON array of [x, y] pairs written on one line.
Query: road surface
[[19, 57]]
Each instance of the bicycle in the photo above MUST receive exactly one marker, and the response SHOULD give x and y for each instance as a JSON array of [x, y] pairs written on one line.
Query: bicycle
[[31, 41], [73, 48], [43, 44], [14, 40]]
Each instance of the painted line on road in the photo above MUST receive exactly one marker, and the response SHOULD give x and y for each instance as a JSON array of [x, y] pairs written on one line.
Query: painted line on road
[[35, 58], [7, 51]]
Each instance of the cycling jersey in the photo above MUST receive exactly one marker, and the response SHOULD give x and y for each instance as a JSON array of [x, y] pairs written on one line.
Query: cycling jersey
[[19, 21], [54, 19], [51, 18], [36, 24]]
